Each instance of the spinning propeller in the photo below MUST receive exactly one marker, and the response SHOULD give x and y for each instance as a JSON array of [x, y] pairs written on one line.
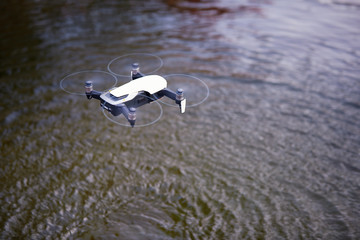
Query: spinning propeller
[[149, 63], [144, 108], [194, 89], [74, 82]]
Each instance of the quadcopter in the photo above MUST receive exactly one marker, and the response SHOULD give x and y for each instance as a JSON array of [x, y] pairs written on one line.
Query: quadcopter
[[134, 99], [130, 96]]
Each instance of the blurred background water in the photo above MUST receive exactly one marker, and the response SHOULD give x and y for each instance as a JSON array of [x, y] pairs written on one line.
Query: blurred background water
[[273, 153]]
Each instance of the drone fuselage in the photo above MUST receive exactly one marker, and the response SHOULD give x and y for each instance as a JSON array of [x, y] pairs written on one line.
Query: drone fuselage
[[116, 106], [133, 94], [150, 84]]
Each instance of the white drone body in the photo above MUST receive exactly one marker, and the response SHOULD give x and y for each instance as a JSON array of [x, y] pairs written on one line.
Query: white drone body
[[139, 91]]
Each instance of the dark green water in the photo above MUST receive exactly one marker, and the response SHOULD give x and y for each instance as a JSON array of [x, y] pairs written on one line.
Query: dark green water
[[273, 153]]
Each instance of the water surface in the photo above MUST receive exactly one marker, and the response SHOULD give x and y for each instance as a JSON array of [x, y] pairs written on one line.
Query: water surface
[[273, 153]]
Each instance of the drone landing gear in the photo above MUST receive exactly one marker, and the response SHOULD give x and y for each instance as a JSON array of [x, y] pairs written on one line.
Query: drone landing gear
[[180, 100], [178, 97]]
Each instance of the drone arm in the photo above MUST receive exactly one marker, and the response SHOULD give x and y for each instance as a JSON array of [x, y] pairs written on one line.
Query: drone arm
[[93, 94], [168, 93]]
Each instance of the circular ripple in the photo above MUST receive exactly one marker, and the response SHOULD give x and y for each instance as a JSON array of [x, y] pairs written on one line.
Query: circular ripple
[[145, 115], [121, 66], [74, 83], [196, 90]]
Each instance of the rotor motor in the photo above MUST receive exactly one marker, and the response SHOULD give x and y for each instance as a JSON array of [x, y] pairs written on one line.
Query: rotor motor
[[179, 94], [132, 114], [88, 89]]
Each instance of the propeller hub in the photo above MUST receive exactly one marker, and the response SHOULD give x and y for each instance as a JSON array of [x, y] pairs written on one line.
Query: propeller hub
[[88, 86], [132, 114], [179, 94]]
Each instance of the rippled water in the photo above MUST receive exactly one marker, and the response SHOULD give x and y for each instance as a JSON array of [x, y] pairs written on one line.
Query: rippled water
[[273, 153]]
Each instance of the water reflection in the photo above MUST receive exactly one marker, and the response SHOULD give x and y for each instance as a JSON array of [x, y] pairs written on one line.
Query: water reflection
[[19, 41]]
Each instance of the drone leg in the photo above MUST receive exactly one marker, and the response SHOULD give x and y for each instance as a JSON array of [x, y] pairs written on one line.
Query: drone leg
[[180, 100], [178, 97]]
